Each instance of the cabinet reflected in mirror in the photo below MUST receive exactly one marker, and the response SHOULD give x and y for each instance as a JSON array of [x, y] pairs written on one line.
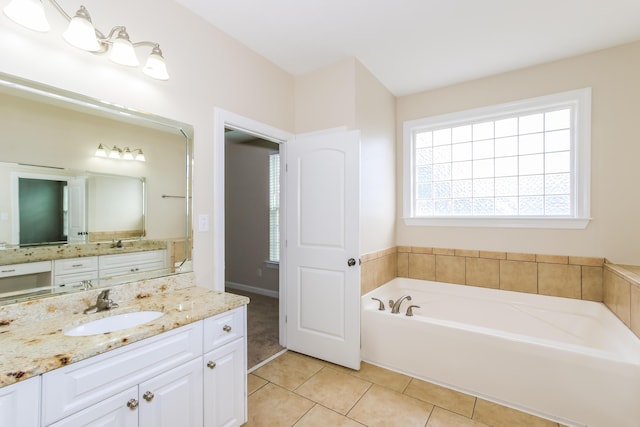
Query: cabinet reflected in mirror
[[58, 200]]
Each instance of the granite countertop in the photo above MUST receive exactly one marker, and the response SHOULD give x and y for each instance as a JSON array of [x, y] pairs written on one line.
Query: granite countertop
[[75, 250], [31, 335]]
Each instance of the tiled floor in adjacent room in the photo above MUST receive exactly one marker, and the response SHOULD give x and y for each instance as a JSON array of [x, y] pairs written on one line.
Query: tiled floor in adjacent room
[[297, 390]]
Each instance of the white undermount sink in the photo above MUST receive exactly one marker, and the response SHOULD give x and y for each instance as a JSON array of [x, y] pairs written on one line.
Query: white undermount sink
[[113, 323]]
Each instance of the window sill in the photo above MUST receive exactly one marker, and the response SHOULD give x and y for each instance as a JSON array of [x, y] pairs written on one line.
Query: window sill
[[272, 264], [499, 222]]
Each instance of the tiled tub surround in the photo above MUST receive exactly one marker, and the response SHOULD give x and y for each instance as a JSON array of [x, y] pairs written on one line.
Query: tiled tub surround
[[555, 275], [32, 336], [508, 347], [47, 253], [622, 293], [587, 278]]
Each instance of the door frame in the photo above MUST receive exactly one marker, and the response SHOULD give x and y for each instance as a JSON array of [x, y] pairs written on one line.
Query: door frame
[[222, 119]]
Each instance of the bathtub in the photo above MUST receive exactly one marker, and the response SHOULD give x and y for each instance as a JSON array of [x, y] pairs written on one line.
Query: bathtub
[[567, 360]]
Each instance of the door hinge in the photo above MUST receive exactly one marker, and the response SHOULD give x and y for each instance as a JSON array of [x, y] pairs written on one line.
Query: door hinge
[[286, 167]]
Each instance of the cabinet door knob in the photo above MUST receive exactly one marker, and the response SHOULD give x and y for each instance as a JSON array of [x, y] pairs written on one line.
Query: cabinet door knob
[[211, 364], [132, 404], [148, 396], [226, 328]]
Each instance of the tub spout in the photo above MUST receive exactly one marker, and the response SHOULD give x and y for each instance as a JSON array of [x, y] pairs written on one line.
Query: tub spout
[[380, 304], [396, 306], [410, 309]]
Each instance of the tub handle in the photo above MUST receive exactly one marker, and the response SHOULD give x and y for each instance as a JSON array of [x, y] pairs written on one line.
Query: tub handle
[[380, 304], [410, 309]]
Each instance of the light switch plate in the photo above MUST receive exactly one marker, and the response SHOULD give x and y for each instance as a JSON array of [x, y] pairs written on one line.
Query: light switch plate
[[203, 222]]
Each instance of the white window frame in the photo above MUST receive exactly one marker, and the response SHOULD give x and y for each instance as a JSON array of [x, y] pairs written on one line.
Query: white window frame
[[579, 100]]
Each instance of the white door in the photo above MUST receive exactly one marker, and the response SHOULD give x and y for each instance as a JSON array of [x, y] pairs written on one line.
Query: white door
[[322, 244], [77, 213]]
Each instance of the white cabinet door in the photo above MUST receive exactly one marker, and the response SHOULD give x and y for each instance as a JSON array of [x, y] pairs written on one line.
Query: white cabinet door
[[77, 209], [323, 273], [20, 404], [225, 383], [114, 411], [173, 398]]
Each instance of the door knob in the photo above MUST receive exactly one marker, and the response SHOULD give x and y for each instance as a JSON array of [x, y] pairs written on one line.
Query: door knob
[[148, 396], [226, 328], [132, 404], [211, 364], [351, 262]]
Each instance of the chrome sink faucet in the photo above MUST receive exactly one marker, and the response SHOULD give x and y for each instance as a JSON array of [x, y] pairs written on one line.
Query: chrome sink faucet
[[102, 303], [395, 306]]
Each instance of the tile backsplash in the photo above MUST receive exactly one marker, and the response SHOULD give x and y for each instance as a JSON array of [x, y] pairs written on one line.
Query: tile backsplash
[[586, 278], [563, 276]]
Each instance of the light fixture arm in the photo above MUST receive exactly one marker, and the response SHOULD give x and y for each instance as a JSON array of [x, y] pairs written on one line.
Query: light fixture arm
[[82, 34], [102, 39]]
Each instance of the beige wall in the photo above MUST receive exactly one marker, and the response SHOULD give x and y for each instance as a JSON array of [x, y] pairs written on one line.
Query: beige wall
[[325, 98], [375, 109], [347, 94], [247, 215], [207, 69], [613, 75]]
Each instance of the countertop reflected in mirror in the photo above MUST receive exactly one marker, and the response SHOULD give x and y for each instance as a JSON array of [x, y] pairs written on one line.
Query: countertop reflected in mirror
[[49, 133]]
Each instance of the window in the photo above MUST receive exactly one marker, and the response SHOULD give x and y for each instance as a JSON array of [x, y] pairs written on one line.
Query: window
[[274, 207], [522, 164]]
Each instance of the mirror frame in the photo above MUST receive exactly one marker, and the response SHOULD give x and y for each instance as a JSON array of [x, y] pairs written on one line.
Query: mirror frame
[[82, 103]]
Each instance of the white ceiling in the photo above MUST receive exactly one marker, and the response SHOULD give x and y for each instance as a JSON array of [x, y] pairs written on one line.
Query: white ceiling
[[414, 45]]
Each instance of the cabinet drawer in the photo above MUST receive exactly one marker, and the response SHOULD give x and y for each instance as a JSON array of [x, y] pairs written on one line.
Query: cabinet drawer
[[224, 328], [74, 280], [75, 265], [130, 269], [26, 268], [131, 259], [75, 387]]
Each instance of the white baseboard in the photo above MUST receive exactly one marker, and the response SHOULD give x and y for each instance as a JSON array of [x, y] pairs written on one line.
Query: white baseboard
[[252, 289]]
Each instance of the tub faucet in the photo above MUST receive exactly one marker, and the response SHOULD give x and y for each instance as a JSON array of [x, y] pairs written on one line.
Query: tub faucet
[[395, 307], [410, 309], [380, 303], [102, 303]]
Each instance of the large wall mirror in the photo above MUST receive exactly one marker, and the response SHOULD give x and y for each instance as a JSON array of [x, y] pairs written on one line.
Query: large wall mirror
[[91, 193]]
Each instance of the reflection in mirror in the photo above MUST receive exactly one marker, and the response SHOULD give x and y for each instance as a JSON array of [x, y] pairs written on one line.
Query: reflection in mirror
[[70, 219], [55, 205]]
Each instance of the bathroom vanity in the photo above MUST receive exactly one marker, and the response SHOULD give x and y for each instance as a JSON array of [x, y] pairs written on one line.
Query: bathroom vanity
[[69, 265], [187, 367]]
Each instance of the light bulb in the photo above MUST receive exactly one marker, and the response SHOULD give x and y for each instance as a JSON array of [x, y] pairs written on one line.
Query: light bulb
[[80, 33], [155, 66], [101, 151], [115, 153], [122, 51], [127, 154], [28, 13]]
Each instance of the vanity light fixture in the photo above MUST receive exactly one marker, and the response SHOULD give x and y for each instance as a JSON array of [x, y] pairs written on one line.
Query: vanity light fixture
[[82, 34], [120, 153]]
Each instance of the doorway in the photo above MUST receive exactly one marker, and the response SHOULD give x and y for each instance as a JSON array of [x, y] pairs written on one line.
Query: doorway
[[252, 236], [42, 211]]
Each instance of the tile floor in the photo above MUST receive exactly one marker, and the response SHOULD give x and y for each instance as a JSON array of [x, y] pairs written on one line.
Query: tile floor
[[297, 390]]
